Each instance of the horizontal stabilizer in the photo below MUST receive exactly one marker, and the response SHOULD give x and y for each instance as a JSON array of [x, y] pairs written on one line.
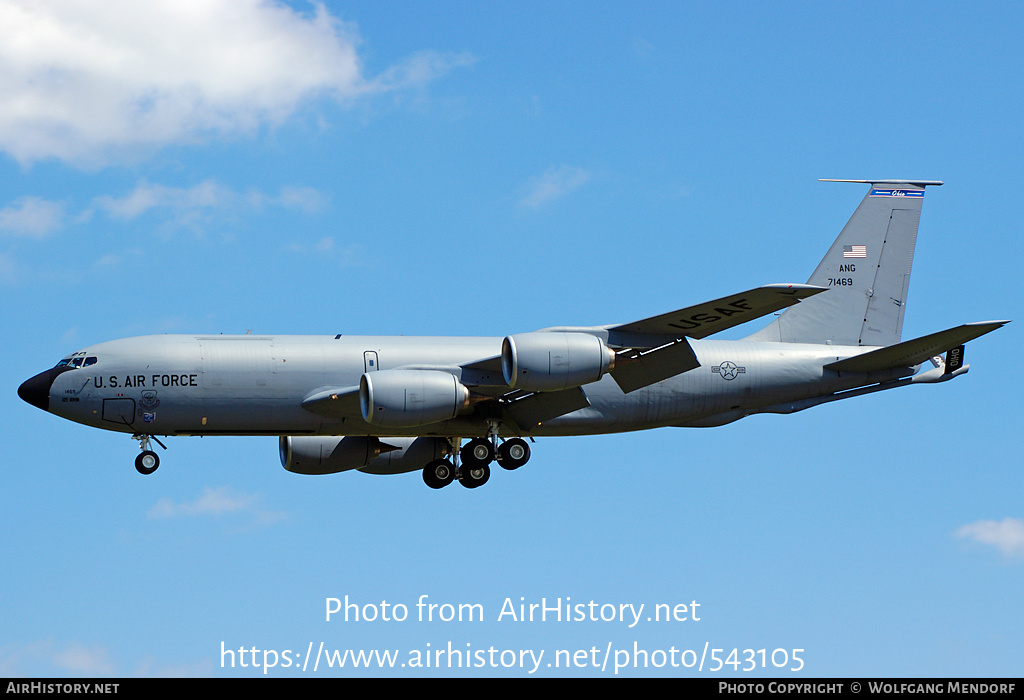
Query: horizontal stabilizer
[[711, 317], [914, 352], [912, 183]]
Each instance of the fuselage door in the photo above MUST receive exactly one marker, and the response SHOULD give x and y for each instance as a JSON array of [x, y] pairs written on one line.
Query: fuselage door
[[370, 361], [121, 411]]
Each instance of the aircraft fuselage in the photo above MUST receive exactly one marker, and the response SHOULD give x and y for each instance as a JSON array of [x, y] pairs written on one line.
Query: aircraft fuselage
[[255, 385]]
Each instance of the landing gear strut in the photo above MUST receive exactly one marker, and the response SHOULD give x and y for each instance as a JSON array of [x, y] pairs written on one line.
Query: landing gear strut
[[148, 460], [476, 457]]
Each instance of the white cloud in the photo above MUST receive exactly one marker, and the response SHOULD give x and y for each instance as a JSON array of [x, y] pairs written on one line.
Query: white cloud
[[154, 667], [215, 502], [194, 207], [1006, 535], [114, 260], [9, 270], [31, 217], [555, 183], [212, 502], [418, 70], [84, 660], [91, 80], [46, 658], [327, 249], [189, 205], [307, 199], [206, 195]]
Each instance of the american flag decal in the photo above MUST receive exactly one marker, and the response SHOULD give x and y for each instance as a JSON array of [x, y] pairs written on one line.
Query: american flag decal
[[855, 251]]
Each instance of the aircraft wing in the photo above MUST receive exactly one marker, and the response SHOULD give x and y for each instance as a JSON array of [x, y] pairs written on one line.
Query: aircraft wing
[[914, 352], [711, 317], [652, 349]]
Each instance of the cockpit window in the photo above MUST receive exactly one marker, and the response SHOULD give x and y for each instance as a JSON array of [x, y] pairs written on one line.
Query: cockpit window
[[79, 359]]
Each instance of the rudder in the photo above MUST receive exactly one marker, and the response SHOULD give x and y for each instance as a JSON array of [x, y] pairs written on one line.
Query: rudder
[[867, 273]]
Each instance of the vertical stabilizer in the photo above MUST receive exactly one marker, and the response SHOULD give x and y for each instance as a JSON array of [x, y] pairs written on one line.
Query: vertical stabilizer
[[866, 271]]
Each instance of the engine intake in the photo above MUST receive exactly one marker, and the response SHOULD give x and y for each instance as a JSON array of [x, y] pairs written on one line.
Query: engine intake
[[554, 361], [407, 398]]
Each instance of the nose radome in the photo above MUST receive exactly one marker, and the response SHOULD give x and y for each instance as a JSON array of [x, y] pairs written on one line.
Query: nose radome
[[36, 390]]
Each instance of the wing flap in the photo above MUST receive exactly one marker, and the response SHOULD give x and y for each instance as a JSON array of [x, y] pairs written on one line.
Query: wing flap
[[534, 409], [635, 369], [914, 352], [711, 317]]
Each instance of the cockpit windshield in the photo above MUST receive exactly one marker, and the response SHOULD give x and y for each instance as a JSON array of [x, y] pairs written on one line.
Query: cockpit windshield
[[79, 359]]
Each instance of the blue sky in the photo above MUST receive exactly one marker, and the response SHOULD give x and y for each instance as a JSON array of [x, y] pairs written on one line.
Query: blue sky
[[485, 168]]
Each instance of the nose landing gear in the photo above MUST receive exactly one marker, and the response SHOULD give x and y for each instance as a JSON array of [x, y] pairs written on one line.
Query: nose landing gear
[[148, 461]]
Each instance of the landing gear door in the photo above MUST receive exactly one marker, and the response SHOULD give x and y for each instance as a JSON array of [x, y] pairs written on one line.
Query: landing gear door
[[370, 363]]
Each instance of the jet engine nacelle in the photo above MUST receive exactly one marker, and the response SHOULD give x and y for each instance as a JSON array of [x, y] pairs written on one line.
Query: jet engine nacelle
[[317, 455], [329, 455], [554, 361], [406, 398], [409, 455]]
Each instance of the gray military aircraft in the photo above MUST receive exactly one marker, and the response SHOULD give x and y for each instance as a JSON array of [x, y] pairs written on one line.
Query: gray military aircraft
[[389, 405]]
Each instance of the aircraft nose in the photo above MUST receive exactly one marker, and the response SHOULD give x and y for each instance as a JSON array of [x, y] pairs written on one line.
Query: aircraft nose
[[36, 390]]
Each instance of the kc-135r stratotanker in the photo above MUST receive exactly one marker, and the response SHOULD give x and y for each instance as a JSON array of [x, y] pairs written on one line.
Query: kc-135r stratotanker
[[388, 405]]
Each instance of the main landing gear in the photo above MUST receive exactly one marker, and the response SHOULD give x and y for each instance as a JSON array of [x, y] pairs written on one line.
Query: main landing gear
[[476, 457], [148, 460]]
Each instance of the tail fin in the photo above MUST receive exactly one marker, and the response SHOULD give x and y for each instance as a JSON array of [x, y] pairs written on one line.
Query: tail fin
[[867, 272]]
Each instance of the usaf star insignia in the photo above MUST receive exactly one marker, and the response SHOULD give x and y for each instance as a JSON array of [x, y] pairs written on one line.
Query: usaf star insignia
[[729, 370]]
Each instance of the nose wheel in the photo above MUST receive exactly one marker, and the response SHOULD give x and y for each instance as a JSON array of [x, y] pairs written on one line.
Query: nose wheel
[[148, 460]]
